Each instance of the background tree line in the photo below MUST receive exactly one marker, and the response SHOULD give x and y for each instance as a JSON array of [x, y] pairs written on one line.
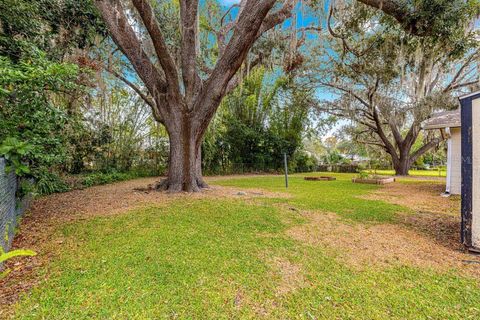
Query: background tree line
[[74, 111]]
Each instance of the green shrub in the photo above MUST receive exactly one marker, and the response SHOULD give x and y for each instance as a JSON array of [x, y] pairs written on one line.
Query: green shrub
[[100, 178], [363, 175], [304, 162], [25, 187], [15, 152], [49, 182]]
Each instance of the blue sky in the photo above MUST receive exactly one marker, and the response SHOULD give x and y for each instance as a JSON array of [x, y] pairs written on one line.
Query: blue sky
[[229, 2]]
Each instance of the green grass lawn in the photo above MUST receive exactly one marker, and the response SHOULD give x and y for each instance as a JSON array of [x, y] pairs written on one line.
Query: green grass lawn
[[204, 259], [341, 196]]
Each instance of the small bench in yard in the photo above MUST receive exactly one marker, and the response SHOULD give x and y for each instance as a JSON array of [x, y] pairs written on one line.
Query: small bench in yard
[[374, 180], [320, 178]]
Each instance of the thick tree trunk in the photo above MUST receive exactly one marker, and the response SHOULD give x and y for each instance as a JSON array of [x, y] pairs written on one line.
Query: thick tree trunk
[[186, 107], [402, 163], [401, 167], [198, 167], [184, 163]]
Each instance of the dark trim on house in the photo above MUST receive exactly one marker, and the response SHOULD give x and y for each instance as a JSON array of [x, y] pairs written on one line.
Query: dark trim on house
[[467, 169]]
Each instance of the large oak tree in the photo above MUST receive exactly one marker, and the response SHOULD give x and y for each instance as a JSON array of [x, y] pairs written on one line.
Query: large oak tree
[[182, 99], [184, 95], [387, 81]]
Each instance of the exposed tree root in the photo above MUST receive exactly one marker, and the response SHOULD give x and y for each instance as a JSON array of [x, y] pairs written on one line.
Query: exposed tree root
[[201, 183], [165, 185], [161, 185]]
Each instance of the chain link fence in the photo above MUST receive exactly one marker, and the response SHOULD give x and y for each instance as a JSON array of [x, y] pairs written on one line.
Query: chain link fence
[[11, 207]]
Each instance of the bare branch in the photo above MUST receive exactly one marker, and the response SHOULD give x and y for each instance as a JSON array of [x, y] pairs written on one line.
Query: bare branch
[[373, 143], [465, 84], [400, 12], [161, 49], [396, 133], [244, 35], [125, 38], [277, 17], [235, 5], [189, 18], [360, 99], [426, 147], [388, 145], [346, 46], [453, 84], [134, 87]]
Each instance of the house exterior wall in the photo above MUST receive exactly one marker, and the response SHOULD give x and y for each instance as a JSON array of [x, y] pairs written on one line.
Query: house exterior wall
[[476, 173], [456, 161]]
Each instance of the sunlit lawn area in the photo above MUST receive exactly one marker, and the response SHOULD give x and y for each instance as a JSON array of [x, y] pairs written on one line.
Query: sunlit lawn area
[[415, 173], [223, 259]]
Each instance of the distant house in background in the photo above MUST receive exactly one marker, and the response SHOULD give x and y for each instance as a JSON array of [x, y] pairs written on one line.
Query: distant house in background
[[449, 123]]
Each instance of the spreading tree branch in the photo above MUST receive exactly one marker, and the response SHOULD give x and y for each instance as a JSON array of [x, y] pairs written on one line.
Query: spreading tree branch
[[191, 79], [277, 17], [400, 12], [163, 54], [426, 147], [245, 33], [125, 38]]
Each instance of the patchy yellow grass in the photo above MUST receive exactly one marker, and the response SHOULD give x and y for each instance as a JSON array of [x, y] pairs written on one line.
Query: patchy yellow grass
[[380, 245]]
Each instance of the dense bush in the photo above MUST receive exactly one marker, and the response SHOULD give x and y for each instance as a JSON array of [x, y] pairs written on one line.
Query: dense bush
[[256, 125], [30, 122], [303, 162], [50, 182]]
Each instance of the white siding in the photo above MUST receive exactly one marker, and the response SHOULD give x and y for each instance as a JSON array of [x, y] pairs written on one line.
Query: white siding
[[456, 161], [476, 173]]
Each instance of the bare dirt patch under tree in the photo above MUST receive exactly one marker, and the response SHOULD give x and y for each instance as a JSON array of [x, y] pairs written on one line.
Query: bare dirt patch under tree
[[428, 236]]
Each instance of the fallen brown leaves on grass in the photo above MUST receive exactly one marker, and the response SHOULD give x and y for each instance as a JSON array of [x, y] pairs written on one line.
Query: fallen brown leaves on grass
[[291, 276], [432, 215], [420, 197], [428, 236], [379, 245], [425, 237]]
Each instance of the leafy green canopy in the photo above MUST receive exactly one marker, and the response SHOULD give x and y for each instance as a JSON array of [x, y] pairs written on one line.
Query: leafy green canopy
[[53, 26], [37, 83], [435, 19], [388, 80], [439, 19]]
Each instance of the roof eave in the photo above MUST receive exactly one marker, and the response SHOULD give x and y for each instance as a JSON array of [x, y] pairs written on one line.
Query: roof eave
[[434, 127], [468, 95]]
